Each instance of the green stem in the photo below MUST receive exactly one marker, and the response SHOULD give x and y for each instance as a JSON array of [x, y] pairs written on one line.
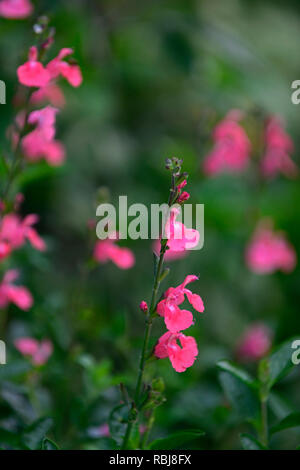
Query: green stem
[[264, 423], [148, 429]]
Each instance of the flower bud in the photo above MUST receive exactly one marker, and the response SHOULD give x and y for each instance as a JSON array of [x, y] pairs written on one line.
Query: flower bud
[[144, 306], [183, 197]]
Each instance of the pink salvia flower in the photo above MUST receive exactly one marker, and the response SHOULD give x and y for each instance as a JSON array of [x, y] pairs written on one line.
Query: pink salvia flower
[[183, 197], [15, 231], [40, 142], [33, 73], [15, 9], [181, 185], [9, 293], [278, 147], [181, 356], [180, 237], [232, 147], [39, 352], [51, 93], [255, 343], [171, 254], [106, 250], [5, 250], [269, 251], [71, 72], [175, 318]]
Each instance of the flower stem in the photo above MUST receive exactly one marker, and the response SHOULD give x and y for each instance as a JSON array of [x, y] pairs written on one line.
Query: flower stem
[[264, 422]]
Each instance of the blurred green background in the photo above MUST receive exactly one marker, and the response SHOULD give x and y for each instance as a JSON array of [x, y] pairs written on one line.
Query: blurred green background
[[158, 76]]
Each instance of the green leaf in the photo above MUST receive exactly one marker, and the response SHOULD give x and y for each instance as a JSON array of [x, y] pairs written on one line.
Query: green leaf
[[176, 440], [290, 421], [280, 362], [47, 444], [241, 374], [242, 398], [118, 420], [35, 433], [250, 443], [11, 440]]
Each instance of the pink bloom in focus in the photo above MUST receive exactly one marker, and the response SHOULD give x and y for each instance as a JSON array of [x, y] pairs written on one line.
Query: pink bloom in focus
[[255, 343], [9, 293], [180, 238], [175, 318], [278, 146], [232, 147], [106, 250], [33, 73], [71, 72], [15, 231], [170, 255], [181, 355], [38, 351], [269, 251], [15, 9]]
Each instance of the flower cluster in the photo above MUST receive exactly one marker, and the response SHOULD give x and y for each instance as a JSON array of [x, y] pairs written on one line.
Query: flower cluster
[[269, 251], [176, 320], [232, 148]]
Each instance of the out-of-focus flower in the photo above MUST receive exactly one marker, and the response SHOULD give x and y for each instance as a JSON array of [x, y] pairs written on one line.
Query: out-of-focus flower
[[40, 142], [9, 293], [15, 9], [14, 231], [143, 306], [51, 93], [181, 355], [231, 149], [5, 250], [278, 147], [33, 73], [106, 250], [269, 251], [71, 72], [39, 352], [175, 318], [255, 343]]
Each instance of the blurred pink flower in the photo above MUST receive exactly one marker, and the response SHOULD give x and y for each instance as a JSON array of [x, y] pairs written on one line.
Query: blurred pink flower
[[71, 72], [278, 146], [33, 73], [175, 318], [51, 93], [269, 251], [40, 142], [5, 250], [9, 293], [14, 231], [15, 9], [255, 343], [181, 356], [232, 146], [106, 250], [38, 351]]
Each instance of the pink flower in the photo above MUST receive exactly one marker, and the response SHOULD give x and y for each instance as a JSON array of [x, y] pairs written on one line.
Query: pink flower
[[15, 9], [269, 251], [9, 293], [71, 72], [232, 147], [183, 197], [51, 93], [106, 250], [181, 356], [170, 255], [278, 146], [5, 250], [38, 351], [15, 231], [40, 142], [175, 318], [255, 343], [33, 73], [180, 238], [143, 306], [181, 185]]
